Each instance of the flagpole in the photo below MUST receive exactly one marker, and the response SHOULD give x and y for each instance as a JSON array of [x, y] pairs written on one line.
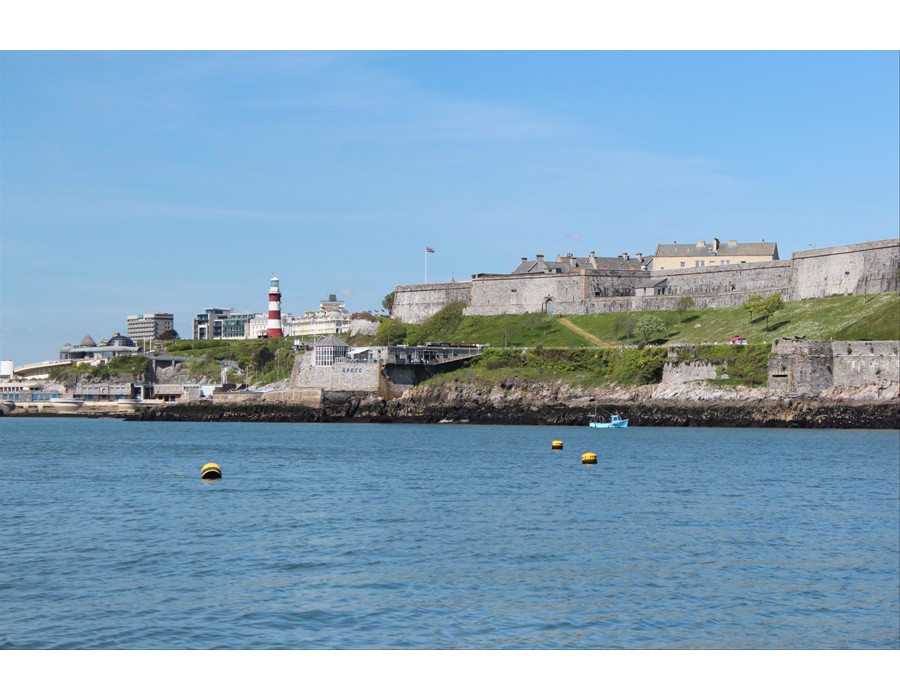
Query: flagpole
[[426, 265]]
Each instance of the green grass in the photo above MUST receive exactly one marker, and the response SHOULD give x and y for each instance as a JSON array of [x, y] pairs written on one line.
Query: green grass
[[450, 326], [525, 330], [840, 318]]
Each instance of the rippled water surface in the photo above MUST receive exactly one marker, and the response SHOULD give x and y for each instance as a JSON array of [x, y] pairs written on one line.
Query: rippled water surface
[[445, 536]]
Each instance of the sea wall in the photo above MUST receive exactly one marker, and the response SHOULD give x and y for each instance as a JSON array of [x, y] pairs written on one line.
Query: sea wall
[[307, 396], [366, 377], [347, 376], [811, 367], [675, 372], [864, 268], [865, 363]]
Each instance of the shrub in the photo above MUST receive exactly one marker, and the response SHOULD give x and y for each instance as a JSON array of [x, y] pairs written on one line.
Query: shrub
[[391, 332]]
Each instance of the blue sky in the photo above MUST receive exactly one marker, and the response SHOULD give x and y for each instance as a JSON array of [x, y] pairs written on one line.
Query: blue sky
[[174, 181]]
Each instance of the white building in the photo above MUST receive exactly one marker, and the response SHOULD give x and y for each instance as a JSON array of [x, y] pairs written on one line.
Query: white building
[[148, 326], [331, 319]]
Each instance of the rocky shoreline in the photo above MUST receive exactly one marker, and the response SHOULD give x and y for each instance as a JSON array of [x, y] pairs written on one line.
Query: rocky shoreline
[[527, 403]]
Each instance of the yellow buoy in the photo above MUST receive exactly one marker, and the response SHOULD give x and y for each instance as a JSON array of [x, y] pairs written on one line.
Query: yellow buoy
[[210, 470], [588, 458], [556, 445]]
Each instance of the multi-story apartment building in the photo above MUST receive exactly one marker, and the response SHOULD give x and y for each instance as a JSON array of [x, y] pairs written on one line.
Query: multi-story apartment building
[[217, 323], [148, 326]]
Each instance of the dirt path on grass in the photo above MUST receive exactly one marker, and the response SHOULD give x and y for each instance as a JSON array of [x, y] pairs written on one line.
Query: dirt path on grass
[[583, 333]]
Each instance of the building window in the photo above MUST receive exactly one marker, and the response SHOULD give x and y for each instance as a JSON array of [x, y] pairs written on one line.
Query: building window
[[683, 263]]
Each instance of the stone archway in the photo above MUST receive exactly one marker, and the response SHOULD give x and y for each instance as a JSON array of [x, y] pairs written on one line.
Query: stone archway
[[548, 305]]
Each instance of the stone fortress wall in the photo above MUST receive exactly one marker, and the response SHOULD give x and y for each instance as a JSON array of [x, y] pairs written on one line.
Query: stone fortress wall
[[802, 367], [343, 376], [812, 366], [863, 268], [415, 303]]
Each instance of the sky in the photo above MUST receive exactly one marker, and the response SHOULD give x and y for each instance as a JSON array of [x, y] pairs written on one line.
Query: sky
[[145, 181]]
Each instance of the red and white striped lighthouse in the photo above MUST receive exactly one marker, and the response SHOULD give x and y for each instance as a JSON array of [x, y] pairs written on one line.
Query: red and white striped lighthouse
[[273, 329]]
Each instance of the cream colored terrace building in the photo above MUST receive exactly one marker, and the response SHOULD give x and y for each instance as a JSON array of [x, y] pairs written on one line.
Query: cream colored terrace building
[[332, 318], [674, 256]]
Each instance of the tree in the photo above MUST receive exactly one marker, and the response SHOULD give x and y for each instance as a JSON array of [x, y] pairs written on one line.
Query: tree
[[647, 327], [169, 334], [388, 302], [628, 326], [391, 332], [754, 305], [684, 305], [261, 358], [770, 305]]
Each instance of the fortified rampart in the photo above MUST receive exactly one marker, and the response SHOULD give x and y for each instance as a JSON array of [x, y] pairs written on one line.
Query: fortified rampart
[[415, 303], [345, 376], [863, 268], [307, 396], [686, 372], [809, 367]]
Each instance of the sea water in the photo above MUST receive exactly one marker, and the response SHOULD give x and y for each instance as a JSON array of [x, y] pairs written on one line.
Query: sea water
[[445, 536]]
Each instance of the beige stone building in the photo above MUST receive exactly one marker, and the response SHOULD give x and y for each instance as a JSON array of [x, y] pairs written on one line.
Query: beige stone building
[[674, 256]]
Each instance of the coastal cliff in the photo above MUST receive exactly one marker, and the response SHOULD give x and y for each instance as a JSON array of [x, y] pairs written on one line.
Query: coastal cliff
[[520, 402]]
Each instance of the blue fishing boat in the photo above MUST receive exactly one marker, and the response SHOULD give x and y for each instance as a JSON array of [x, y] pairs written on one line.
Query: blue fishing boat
[[615, 421]]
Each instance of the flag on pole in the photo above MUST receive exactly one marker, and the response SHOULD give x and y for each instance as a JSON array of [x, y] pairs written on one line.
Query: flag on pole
[[429, 250]]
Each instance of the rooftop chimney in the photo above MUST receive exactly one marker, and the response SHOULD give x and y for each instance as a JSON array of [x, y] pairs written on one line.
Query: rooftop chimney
[[701, 244], [539, 257]]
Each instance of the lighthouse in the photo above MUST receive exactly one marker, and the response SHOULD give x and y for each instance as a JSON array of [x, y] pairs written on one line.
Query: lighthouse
[[273, 330]]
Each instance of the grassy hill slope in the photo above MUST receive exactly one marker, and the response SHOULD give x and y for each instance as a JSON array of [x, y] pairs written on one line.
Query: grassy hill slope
[[876, 317]]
